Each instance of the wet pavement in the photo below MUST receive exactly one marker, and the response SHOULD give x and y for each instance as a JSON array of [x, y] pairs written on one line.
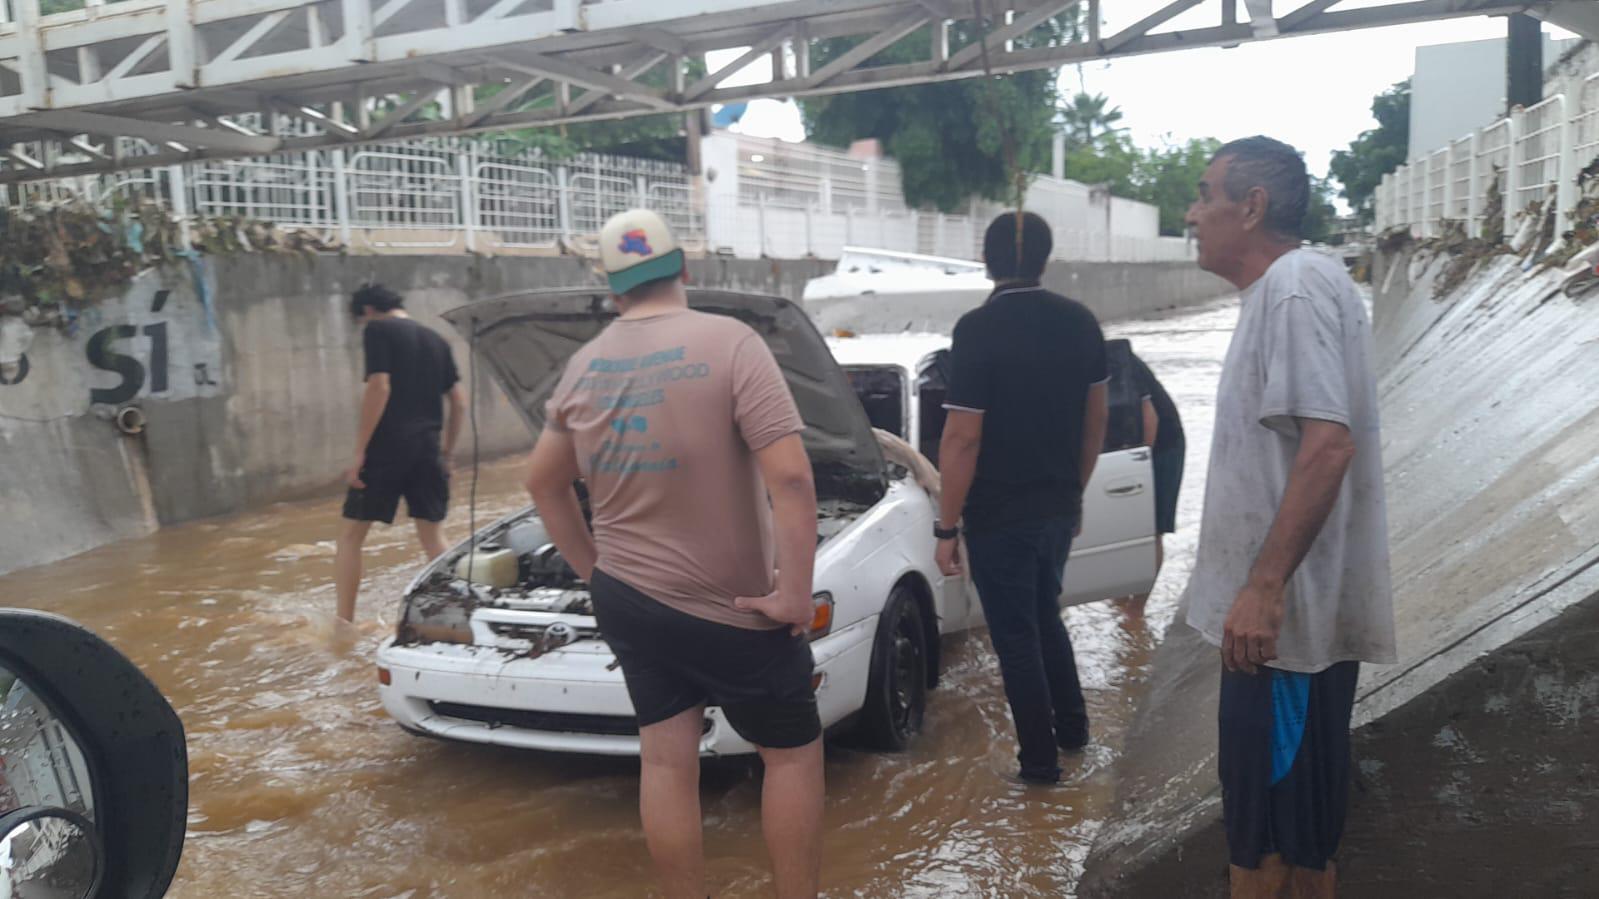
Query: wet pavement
[[301, 785]]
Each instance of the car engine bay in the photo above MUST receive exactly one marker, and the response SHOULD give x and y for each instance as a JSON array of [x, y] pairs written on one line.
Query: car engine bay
[[515, 565]]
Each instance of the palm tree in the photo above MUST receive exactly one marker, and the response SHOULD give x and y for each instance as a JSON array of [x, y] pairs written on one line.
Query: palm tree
[[1087, 119]]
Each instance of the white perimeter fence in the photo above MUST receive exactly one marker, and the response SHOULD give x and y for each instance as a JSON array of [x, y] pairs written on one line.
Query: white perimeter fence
[[1533, 156], [774, 200]]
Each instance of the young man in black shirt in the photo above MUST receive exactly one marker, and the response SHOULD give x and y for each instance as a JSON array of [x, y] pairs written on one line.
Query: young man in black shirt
[[404, 443], [1027, 407]]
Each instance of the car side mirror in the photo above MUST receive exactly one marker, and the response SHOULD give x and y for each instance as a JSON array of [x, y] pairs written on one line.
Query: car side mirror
[[93, 767], [49, 852]]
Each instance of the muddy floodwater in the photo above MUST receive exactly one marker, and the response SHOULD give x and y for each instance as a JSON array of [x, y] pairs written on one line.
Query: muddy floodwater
[[302, 786]]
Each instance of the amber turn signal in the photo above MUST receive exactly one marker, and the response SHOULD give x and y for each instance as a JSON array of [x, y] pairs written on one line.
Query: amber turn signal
[[821, 616]]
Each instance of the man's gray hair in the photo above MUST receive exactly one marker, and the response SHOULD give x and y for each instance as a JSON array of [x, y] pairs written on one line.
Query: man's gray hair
[[1278, 169]]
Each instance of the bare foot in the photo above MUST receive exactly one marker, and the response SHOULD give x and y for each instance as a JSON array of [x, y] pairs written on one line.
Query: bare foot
[[1132, 606]]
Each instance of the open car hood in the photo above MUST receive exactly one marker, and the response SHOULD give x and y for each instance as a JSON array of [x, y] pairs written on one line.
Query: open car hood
[[527, 338]]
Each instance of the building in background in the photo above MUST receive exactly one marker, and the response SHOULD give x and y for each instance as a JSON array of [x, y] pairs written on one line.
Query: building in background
[[768, 198], [1531, 158], [1458, 88]]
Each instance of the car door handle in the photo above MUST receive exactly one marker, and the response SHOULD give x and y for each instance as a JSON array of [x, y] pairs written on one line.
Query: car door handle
[[1125, 490], [1141, 455]]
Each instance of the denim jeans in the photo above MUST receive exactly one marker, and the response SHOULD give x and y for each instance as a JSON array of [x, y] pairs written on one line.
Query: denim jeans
[[1017, 569]]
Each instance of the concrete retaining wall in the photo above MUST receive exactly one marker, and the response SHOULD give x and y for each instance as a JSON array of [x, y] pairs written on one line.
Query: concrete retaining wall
[[1112, 290], [1476, 761], [249, 403]]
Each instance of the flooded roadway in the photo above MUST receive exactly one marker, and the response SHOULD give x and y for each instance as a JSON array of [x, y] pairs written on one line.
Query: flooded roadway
[[302, 787]]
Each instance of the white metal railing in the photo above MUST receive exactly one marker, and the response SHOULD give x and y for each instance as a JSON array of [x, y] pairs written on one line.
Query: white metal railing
[[1585, 121], [449, 195], [1537, 150], [1437, 185], [1533, 156], [520, 203], [1461, 156], [407, 197]]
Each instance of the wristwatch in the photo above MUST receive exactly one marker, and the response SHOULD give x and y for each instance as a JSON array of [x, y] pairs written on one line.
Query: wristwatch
[[946, 533]]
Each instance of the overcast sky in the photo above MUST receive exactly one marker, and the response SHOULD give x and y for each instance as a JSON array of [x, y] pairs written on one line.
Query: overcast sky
[[1314, 92]]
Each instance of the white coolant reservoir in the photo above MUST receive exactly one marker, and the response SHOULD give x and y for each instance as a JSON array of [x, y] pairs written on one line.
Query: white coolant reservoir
[[527, 536], [491, 565]]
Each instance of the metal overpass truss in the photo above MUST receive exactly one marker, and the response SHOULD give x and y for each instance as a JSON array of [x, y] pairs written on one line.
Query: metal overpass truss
[[146, 83]]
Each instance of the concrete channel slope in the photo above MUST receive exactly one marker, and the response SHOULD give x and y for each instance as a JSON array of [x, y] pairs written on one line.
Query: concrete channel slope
[[1478, 754]]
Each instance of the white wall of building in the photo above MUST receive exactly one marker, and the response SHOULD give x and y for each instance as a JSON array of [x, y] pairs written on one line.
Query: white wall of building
[[1459, 88], [773, 199]]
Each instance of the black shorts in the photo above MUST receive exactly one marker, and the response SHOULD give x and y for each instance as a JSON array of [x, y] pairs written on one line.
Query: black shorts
[[673, 661], [1284, 763], [419, 477], [1168, 472]]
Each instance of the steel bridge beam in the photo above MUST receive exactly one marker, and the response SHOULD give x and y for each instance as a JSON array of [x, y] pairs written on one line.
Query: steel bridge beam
[[562, 63]]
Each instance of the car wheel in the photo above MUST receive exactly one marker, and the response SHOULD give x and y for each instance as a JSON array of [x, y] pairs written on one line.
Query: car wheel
[[896, 691]]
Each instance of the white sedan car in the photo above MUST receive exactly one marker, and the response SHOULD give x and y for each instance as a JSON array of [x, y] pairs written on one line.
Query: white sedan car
[[497, 642]]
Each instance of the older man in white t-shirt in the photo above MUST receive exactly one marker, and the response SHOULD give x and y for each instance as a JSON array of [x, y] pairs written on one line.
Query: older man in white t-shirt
[[1291, 579]]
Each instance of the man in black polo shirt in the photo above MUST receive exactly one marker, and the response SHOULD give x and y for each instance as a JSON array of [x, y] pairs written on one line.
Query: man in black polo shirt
[[1027, 409]]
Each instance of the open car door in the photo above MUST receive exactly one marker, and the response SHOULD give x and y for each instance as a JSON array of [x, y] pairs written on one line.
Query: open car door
[[1115, 554]]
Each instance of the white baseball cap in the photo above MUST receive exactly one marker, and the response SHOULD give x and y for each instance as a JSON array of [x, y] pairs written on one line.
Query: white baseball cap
[[637, 247]]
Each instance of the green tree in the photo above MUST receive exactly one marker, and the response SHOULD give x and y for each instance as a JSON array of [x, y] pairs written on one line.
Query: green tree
[[1376, 152], [1110, 159], [1087, 118], [953, 140], [1168, 177], [1321, 219]]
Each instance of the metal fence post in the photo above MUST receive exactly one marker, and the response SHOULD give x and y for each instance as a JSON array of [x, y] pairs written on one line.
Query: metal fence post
[[341, 198], [180, 203], [1430, 221], [1473, 194], [1512, 171], [563, 201], [1397, 217], [1449, 184], [464, 169], [1565, 172]]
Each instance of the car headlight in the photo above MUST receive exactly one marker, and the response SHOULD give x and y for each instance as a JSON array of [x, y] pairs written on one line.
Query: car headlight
[[821, 616]]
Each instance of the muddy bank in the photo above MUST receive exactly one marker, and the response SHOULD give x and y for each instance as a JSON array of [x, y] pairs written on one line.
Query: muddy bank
[[1476, 770]]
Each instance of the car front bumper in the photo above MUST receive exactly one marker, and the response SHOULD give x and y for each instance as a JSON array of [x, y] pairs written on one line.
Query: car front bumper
[[573, 699]]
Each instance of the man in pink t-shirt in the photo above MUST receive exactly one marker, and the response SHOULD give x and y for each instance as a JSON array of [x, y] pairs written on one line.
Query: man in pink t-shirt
[[680, 425]]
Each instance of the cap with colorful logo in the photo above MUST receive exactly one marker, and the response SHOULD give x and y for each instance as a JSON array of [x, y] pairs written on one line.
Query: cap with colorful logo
[[636, 247]]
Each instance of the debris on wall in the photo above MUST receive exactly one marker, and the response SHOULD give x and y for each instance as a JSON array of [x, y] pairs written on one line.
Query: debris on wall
[[1466, 254], [57, 259], [1493, 209]]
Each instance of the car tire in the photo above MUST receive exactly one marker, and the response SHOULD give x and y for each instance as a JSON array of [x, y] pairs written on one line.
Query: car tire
[[896, 691]]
